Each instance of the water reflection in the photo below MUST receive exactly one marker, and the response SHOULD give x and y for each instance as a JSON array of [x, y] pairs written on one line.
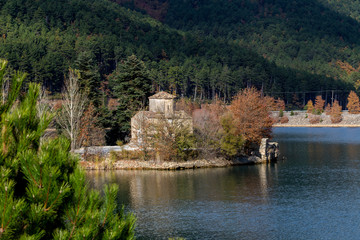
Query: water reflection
[[314, 194], [154, 187], [165, 200]]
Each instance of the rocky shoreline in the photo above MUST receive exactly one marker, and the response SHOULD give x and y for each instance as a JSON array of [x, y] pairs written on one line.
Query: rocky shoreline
[[301, 119], [155, 165], [268, 152]]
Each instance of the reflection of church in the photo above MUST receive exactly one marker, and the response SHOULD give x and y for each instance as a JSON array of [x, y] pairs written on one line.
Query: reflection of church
[[161, 108]]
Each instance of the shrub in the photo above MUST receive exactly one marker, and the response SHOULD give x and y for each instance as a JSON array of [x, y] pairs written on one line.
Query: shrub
[[328, 109], [309, 107], [314, 119], [292, 113], [284, 119], [336, 112], [207, 128], [281, 113], [280, 104], [126, 155], [319, 105], [231, 142]]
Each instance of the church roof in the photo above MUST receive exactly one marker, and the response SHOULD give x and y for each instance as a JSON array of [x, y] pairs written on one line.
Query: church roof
[[162, 95]]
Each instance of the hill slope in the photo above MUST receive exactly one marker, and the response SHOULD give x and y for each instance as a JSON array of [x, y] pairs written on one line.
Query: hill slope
[[312, 36], [45, 37]]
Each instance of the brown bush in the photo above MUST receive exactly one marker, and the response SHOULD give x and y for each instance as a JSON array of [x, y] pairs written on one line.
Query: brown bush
[[310, 106], [186, 105], [328, 109], [314, 119], [126, 155], [353, 103], [91, 134], [336, 112], [207, 126], [280, 104], [319, 105], [336, 119], [284, 119]]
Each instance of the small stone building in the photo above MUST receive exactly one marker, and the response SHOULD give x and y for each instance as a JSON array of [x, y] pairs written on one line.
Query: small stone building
[[161, 114]]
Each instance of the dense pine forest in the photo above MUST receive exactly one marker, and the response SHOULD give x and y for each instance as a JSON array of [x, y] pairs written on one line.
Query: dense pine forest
[[201, 49], [125, 50]]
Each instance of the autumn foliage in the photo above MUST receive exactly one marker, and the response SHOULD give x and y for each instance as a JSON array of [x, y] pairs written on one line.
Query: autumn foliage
[[91, 134], [314, 119], [335, 113], [280, 104], [319, 104], [328, 109], [207, 127], [284, 119], [353, 103], [310, 106], [251, 115]]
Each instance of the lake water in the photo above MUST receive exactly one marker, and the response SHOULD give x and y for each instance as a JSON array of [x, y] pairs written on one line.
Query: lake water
[[313, 194]]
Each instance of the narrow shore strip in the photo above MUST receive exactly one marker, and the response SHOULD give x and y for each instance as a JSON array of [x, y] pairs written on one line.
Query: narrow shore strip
[[318, 125], [155, 165]]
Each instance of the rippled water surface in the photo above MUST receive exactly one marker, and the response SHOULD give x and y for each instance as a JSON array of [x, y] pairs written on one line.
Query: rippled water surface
[[313, 194]]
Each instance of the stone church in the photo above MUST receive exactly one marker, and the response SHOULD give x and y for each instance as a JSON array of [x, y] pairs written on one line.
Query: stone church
[[161, 113]]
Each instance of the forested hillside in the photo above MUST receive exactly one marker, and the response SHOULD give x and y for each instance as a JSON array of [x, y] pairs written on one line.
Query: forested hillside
[[316, 36], [307, 36], [44, 38], [349, 8]]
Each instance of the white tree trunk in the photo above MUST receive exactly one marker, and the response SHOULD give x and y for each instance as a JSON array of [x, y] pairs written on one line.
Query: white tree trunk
[[73, 107]]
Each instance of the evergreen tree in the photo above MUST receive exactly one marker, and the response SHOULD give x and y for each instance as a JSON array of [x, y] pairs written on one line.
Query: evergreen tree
[[43, 192], [131, 85], [89, 78]]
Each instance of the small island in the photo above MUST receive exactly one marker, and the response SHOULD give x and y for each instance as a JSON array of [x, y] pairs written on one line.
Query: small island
[[163, 138]]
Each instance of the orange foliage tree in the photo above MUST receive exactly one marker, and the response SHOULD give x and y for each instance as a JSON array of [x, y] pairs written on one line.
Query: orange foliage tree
[[353, 103], [310, 106], [251, 115], [280, 104], [335, 112], [328, 109], [319, 104]]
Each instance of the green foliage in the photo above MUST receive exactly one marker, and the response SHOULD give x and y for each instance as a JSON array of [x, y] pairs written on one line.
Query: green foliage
[[212, 59], [304, 37], [292, 113], [184, 142], [89, 77], [231, 142], [43, 192], [281, 113], [131, 86]]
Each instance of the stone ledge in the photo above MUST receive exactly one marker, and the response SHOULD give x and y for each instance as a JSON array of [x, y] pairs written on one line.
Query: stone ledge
[[154, 165]]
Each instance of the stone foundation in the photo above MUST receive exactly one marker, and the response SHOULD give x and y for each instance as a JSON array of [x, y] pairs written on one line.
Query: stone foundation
[[269, 151]]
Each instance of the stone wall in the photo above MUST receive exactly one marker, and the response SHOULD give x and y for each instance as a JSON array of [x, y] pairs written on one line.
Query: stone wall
[[269, 151], [162, 106]]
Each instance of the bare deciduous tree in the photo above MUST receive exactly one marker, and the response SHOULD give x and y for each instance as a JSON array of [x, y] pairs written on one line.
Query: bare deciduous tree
[[43, 108], [73, 107]]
